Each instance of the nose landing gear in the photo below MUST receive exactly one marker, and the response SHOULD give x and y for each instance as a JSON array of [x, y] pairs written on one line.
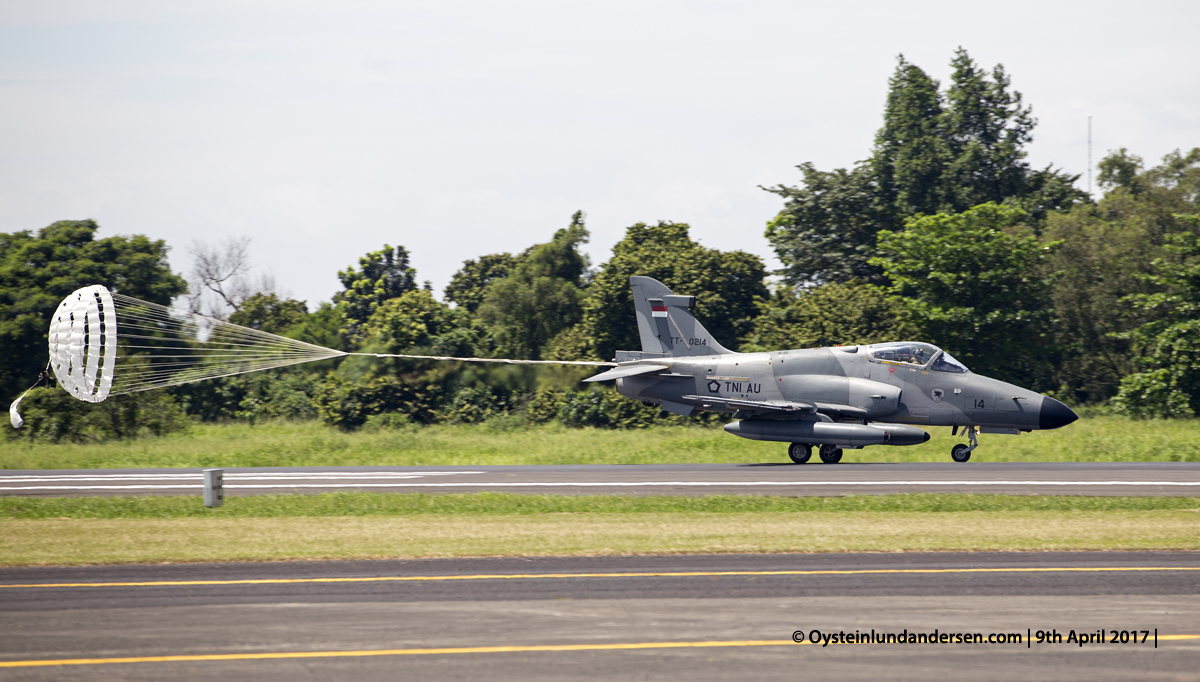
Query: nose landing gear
[[961, 453]]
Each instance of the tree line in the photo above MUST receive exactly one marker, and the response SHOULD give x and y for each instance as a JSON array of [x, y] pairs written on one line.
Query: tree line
[[945, 233]]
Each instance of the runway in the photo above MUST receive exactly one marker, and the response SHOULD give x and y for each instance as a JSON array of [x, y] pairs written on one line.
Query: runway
[[661, 617], [1075, 478]]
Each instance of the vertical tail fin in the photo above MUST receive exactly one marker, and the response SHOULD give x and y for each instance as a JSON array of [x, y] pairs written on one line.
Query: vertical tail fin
[[665, 323]]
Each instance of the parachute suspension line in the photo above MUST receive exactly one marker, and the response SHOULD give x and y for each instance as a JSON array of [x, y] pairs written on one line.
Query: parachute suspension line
[[160, 347], [505, 361]]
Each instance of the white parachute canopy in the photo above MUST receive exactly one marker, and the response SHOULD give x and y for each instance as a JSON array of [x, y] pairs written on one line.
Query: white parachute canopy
[[104, 344]]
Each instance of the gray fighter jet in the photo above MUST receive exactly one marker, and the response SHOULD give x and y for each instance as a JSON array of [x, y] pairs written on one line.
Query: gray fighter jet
[[845, 397]]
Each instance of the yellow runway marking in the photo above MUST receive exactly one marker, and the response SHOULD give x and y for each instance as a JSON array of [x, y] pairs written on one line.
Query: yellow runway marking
[[398, 652], [430, 652], [662, 574]]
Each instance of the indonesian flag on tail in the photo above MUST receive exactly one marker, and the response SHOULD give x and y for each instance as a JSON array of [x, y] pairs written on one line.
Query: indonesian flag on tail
[[657, 307]]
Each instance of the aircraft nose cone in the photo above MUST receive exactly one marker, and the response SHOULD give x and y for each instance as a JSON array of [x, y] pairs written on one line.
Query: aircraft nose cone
[[1054, 414]]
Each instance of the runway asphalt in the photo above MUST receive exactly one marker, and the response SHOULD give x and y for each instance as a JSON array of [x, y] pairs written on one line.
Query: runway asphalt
[[1074, 478], [662, 617]]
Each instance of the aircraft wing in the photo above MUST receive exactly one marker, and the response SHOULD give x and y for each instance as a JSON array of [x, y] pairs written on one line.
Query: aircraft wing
[[627, 371], [756, 405], [780, 406]]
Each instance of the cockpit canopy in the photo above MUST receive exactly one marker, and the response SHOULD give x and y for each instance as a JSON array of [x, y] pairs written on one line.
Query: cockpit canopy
[[917, 354]]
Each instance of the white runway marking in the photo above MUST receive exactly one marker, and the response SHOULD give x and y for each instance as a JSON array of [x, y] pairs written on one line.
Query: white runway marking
[[176, 481], [776, 483], [256, 476], [614, 484]]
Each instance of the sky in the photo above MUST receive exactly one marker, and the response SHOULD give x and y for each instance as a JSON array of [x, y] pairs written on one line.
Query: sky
[[324, 130]]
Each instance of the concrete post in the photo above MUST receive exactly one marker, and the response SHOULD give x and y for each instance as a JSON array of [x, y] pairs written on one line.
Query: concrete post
[[214, 487]]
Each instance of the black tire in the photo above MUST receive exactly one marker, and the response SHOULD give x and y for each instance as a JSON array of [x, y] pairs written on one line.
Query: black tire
[[960, 453], [799, 452], [831, 454]]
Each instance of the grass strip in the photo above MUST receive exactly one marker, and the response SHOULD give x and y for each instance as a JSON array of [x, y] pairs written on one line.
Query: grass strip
[[1096, 439], [110, 541], [487, 503]]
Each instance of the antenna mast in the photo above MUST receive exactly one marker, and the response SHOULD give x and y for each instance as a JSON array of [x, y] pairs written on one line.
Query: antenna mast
[[1089, 154]]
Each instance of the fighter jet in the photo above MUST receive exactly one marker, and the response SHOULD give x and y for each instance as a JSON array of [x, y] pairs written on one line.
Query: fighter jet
[[831, 399]]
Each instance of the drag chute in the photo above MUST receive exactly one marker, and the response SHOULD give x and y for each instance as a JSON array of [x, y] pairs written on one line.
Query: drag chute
[[104, 344]]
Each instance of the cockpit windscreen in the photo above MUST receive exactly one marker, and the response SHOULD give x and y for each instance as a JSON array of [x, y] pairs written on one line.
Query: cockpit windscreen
[[945, 363], [910, 353]]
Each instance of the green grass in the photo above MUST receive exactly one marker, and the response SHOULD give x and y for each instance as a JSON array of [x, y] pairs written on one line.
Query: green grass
[[482, 504], [106, 541], [1096, 439], [114, 530]]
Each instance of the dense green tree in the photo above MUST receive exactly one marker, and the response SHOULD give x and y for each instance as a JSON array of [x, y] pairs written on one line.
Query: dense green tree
[[572, 343], [829, 315], [468, 286], [416, 320], [974, 283], [417, 390], [1107, 255], [322, 327], [1120, 169], [408, 390], [1174, 183], [541, 296], [348, 405], [269, 313], [986, 130], [935, 152], [1168, 384], [523, 303], [1158, 196], [53, 415], [911, 150], [38, 270], [826, 230], [728, 286], [279, 393], [604, 408], [384, 275], [1099, 263], [477, 404], [1047, 192]]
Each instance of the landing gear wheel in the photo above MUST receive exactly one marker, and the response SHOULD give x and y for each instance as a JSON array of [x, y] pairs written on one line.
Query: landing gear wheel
[[960, 453], [799, 452], [831, 454]]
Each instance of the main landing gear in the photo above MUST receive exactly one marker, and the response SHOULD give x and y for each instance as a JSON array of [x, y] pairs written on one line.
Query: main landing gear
[[831, 454], [801, 452], [962, 453]]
